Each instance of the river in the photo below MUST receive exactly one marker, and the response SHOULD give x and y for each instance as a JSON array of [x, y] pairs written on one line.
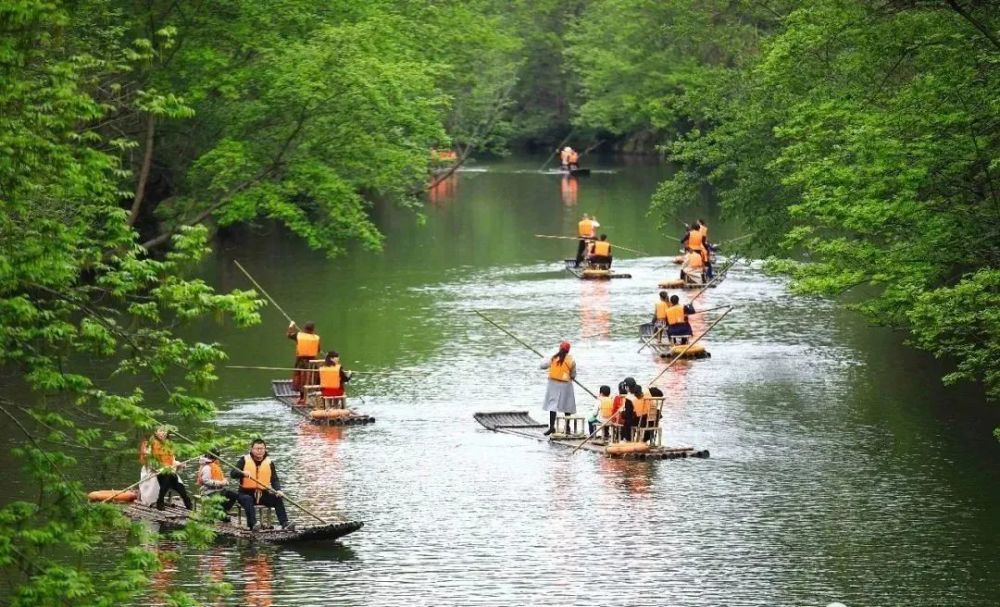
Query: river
[[840, 469]]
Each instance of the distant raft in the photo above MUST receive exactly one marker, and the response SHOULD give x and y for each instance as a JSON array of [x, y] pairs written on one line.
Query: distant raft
[[587, 273], [520, 423], [665, 349], [288, 396]]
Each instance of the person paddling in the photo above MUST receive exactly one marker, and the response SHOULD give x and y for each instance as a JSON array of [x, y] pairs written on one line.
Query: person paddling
[[559, 395], [600, 252], [259, 485], [306, 349], [678, 326]]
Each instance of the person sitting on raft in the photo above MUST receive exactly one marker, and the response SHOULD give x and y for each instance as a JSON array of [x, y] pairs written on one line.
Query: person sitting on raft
[[306, 349], [259, 485], [693, 268], [212, 481], [600, 252], [660, 310], [163, 454], [332, 378], [559, 392], [604, 412], [678, 326]]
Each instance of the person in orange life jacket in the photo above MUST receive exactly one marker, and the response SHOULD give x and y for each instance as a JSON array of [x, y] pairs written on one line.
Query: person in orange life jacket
[[600, 252], [213, 481], [586, 229], [708, 248], [660, 310], [307, 348], [693, 268], [163, 456], [332, 376], [628, 417], [559, 392], [642, 406], [654, 413], [677, 322], [604, 411], [257, 474]]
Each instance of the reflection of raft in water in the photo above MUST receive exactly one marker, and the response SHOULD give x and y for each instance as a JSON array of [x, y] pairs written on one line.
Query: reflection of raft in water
[[519, 423], [587, 273], [666, 349], [174, 517], [284, 392], [679, 283]]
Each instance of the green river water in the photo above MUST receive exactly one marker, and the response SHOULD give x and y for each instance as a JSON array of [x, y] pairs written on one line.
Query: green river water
[[840, 469]]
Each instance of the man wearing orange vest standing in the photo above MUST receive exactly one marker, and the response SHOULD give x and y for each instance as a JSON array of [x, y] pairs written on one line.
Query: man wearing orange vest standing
[[586, 229], [259, 485], [306, 349]]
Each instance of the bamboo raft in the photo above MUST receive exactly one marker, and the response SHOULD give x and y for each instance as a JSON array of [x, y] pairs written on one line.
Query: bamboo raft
[[591, 273], [175, 517], [520, 423], [288, 396], [666, 349]]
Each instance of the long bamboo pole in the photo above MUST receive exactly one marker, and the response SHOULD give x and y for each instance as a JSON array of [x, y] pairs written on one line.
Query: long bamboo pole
[[261, 289], [657, 333], [515, 338], [718, 276], [293, 369], [577, 238], [650, 383]]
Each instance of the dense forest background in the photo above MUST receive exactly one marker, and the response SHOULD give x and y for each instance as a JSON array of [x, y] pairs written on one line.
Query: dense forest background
[[857, 138]]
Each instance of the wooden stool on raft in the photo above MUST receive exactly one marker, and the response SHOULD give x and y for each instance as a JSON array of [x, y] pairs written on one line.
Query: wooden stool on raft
[[571, 425], [264, 517], [314, 396]]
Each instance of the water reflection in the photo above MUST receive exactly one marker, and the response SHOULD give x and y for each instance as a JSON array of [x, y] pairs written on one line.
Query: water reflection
[[595, 308], [258, 572], [569, 188], [443, 191]]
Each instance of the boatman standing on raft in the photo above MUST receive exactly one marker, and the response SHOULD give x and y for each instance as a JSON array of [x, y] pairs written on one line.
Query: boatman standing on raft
[[587, 231], [306, 349], [559, 392]]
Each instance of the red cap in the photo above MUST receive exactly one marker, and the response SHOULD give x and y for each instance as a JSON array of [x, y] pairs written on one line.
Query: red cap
[[564, 345]]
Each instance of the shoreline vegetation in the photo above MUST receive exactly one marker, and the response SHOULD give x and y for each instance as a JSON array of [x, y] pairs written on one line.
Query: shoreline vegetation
[[866, 135]]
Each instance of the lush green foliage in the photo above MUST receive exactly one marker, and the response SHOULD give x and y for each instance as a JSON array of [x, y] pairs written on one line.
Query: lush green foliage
[[861, 139]]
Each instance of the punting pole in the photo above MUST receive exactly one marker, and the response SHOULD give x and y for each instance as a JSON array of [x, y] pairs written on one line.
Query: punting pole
[[718, 276], [578, 238], [515, 338], [650, 383], [143, 480], [261, 289], [657, 333]]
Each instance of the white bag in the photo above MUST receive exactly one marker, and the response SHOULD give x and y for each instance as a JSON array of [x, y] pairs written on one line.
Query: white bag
[[149, 489]]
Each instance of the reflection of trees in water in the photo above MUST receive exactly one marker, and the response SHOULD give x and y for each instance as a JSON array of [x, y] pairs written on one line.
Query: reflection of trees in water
[[212, 567], [569, 189]]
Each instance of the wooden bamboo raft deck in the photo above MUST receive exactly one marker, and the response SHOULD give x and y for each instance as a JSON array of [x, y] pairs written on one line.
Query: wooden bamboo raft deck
[[588, 274], [520, 423], [174, 517], [665, 349], [283, 392]]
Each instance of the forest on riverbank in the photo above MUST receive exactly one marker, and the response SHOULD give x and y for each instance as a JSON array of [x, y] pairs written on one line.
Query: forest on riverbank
[[860, 138]]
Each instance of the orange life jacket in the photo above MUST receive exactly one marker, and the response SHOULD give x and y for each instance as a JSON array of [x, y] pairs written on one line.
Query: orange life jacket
[[572, 158], [216, 471], [261, 473], [676, 315], [607, 408], [306, 344], [661, 310], [162, 452], [560, 371], [695, 240], [585, 228], [602, 247], [329, 376]]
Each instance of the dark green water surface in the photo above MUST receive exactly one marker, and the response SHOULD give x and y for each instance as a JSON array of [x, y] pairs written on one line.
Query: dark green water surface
[[841, 469]]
